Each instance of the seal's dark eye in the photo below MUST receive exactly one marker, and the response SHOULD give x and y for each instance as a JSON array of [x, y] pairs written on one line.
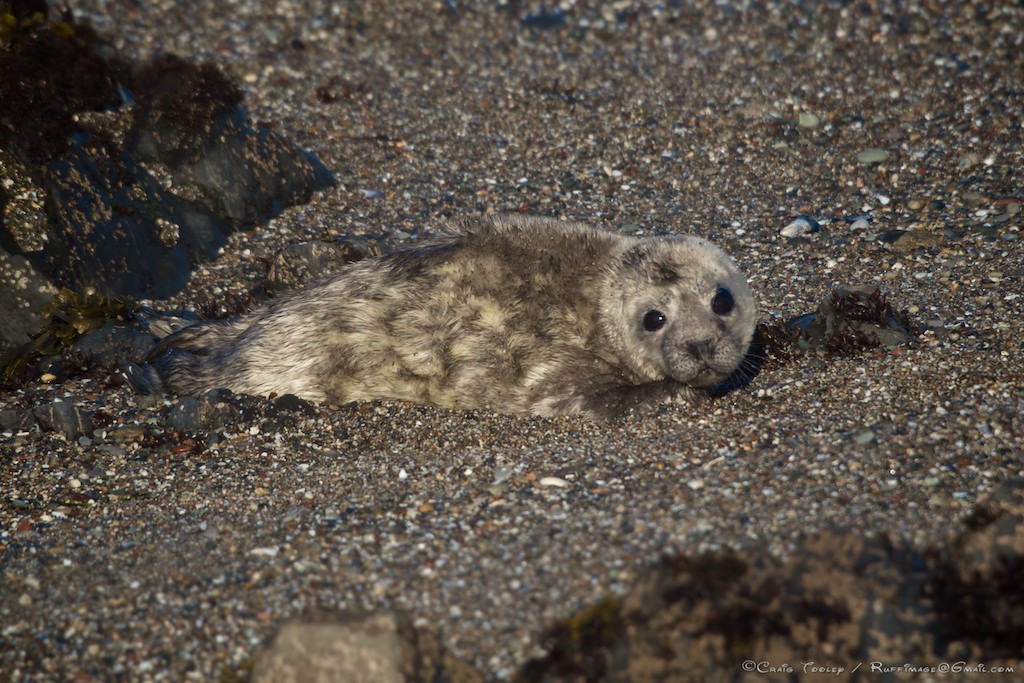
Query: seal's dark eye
[[654, 321], [723, 303]]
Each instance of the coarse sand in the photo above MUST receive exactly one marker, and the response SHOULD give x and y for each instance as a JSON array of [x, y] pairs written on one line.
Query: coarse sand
[[121, 560]]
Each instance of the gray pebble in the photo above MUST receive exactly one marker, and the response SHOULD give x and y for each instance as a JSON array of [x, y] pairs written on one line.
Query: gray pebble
[[808, 120], [875, 155], [864, 438]]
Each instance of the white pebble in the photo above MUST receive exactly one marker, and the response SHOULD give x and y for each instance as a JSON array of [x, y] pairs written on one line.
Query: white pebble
[[553, 481], [800, 226]]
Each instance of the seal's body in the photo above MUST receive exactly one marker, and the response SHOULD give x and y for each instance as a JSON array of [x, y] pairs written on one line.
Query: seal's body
[[517, 315]]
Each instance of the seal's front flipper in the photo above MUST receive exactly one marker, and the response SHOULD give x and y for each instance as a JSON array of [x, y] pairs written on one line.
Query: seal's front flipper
[[619, 400], [142, 378]]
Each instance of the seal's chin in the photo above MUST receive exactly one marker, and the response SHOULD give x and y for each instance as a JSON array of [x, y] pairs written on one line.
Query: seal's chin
[[708, 377], [701, 377], [701, 365]]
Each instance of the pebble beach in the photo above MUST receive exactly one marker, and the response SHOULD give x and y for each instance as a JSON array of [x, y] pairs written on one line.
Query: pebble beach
[[821, 145]]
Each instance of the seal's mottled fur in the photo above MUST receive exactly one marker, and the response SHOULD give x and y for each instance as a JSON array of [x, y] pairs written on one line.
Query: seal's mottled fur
[[513, 314]]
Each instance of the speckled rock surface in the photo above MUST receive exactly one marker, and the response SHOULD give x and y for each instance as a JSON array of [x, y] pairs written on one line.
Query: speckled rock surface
[[24, 292], [138, 552], [126, 174]]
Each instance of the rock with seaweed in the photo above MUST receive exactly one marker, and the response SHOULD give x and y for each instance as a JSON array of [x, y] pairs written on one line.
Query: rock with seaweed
[[852, 319], [87, 324], [839, 598], [848, 321]]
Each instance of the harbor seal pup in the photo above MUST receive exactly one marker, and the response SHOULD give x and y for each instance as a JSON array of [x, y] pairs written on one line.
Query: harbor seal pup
[[512, 314]]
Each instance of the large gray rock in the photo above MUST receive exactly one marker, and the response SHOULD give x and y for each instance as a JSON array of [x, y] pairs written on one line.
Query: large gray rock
[[384, 647]]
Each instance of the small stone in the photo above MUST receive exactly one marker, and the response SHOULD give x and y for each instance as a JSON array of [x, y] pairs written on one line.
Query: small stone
[[875, 155], [129, 433], [557, 482], [915, 204], [802, 225], [544, 19], [972, 199], [64, 417], [864, 438], [968, 160], [917, 239], [16, 420], [807, 120], [860, 224]]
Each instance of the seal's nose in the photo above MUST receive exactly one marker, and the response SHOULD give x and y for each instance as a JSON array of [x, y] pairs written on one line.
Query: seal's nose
[[700, 350]]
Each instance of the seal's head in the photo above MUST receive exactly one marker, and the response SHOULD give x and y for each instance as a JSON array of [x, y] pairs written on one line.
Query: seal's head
[[678, 307]]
